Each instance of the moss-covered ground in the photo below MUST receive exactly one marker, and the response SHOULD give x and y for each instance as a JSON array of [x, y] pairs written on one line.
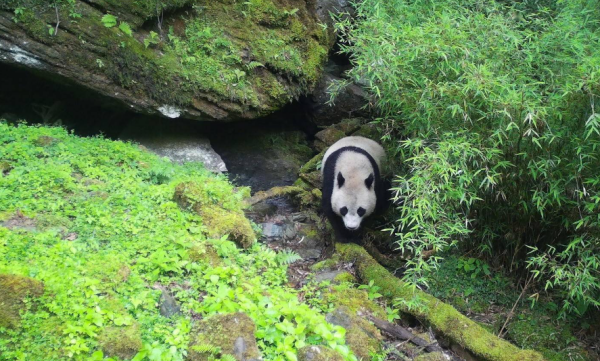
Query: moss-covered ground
[[96, 222]]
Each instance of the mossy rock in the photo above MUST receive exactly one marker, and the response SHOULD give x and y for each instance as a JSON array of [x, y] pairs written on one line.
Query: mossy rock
[[362, 337], [369, 130], [14, 290], [327, 137], [121, 342], [318, 353], [256, 56], [313, 179], [5, 167], [219, 219], [205, 253], [45, 141], [353, 299], [311, 165], [220, 222], [233, 334]]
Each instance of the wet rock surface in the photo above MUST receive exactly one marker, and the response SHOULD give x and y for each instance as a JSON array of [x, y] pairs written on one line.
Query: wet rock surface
[[263, 158], [168, 304], [178, 142]]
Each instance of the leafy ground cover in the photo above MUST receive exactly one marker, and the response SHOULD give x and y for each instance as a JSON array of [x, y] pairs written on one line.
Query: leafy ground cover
[[95, 221], [488, 295]]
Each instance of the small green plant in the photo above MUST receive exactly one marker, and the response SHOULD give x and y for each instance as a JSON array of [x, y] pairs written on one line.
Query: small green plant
[[474, 267], [109, 20], [152, 39], [125, 28], [372, 290]]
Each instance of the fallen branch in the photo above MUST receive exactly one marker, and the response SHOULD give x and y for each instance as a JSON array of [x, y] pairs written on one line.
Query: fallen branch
[[403, 334], [512, 311]]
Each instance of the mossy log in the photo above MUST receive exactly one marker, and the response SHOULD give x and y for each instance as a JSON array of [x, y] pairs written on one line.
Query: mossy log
[[442, 317]]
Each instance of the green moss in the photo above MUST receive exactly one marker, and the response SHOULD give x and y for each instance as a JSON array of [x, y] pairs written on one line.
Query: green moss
[[433, 356], [532, 329], [14, 291], [122, 342], [345, 277], [205, 253], [327, 264], [219, 222], [312, 164], [353, 299], [45, 141], [5, 167], [222, 331], [443, 317], [220, 214]]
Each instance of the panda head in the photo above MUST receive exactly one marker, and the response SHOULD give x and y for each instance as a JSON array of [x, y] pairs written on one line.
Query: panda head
[[353, 197]]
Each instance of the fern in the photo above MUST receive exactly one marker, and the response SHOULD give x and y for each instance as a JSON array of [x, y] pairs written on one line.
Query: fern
[[254, 64], [287, 257], [228, 357], [207, 348]]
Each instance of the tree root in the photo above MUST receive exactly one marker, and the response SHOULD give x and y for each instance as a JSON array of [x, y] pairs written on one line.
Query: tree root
[[403, 334]]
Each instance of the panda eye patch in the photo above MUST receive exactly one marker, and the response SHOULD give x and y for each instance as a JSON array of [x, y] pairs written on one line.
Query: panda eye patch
[[369, 181], [361, 211], [343, 211], [340, 179]]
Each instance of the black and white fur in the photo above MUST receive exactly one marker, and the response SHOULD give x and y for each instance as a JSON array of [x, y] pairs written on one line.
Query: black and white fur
[[352, 185]]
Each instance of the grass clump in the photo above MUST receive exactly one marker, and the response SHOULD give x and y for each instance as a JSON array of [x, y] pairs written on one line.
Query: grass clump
[[121, 239]]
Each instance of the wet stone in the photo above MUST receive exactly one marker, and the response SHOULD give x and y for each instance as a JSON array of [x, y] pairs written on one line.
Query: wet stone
[[168, 305], [327, 275]]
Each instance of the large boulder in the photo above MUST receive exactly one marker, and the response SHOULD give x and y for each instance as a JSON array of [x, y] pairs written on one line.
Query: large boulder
[[14, 290], [207, 59], [350, 99]]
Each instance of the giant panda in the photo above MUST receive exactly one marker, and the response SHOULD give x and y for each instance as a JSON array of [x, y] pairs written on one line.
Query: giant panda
[[352, 185]]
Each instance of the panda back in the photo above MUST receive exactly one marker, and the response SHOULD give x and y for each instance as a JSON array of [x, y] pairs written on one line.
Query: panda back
[[370, 146]]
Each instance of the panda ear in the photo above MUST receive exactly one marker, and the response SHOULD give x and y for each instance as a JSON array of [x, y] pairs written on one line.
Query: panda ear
[[369, 181], [340, 180]]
